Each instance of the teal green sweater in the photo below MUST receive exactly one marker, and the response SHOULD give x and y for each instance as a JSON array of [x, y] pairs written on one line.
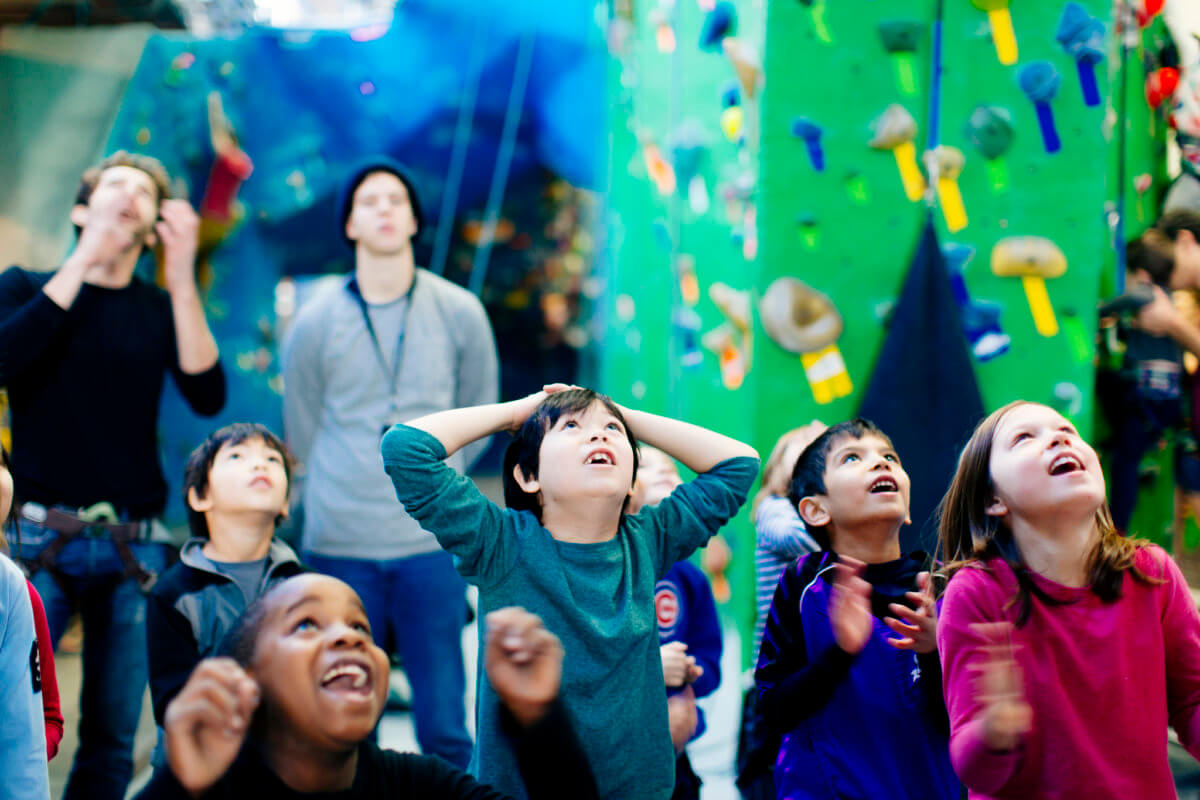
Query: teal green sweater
[[597, 598]]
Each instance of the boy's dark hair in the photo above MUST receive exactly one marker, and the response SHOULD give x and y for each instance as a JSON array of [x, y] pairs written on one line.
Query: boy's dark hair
[[151, 166], [1171, 223], [1152, 253], [808, 476], [199, 463], [525, 448]]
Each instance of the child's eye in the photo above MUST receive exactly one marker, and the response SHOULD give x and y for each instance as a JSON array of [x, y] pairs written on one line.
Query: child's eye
[[1022, 436], [893, 458], [306, 624], [570, 424], [616, 426], [850, 457], [362, 627], [275, 458]]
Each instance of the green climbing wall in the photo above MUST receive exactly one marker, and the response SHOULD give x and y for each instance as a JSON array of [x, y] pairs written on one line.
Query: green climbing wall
[[652, 320], [849, 231], [865, 244]]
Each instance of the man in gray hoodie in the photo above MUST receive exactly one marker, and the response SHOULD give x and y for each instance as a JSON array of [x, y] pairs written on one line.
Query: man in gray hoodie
[[392, 342]]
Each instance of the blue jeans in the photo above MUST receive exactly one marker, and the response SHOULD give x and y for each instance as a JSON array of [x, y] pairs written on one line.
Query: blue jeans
[[113, 608], [417, 608]]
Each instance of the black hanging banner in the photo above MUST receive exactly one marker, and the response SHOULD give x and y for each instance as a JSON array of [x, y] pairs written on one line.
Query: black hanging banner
[[923, 392]]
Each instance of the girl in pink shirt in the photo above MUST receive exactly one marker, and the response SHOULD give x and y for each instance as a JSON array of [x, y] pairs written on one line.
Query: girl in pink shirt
[[1066, 649]]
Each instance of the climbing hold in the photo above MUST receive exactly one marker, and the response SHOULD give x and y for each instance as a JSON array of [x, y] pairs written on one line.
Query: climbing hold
[[1040, 81]]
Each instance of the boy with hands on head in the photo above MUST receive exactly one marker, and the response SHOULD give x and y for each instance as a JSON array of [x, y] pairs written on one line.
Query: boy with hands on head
[[566, 550], [859, 708]]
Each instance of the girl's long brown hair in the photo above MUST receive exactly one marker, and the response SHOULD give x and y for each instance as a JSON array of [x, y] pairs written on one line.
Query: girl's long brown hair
[[776, 475], [968, 535]]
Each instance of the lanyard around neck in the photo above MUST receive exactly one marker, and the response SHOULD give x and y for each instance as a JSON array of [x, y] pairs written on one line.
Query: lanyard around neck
[[389, 375]]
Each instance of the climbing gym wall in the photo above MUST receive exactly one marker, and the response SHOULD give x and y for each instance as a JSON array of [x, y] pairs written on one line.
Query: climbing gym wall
[[1036, 154], [496, 111], [853, 229], [817, 216], [680, 224], [679, 256]]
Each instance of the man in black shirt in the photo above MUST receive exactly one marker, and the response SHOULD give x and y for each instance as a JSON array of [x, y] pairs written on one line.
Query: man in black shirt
[[83, 353]]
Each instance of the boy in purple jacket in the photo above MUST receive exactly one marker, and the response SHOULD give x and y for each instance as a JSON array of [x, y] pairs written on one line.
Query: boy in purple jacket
[[859, 706]]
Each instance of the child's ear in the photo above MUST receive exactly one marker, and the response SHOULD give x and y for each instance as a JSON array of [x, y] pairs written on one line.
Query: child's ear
[[79, 215], [996, 508], [814, 511], [198, 502], [529, 485]]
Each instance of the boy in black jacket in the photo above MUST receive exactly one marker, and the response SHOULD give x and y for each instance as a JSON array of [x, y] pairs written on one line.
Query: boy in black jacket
[[236, 490]]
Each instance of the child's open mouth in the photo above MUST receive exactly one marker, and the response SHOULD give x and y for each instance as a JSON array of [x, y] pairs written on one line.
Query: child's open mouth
[[1065, 464], [604, 457], [348, 678], [884, 484]]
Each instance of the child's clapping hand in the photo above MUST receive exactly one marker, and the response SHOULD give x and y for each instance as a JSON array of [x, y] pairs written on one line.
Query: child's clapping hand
[[850, 606], [207, 722], [523, 662], [1007, 715], [678, 667], [920, 632]]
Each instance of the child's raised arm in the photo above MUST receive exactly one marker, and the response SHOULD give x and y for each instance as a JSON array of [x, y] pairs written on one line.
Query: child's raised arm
[[458, 427], [698, 448]]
